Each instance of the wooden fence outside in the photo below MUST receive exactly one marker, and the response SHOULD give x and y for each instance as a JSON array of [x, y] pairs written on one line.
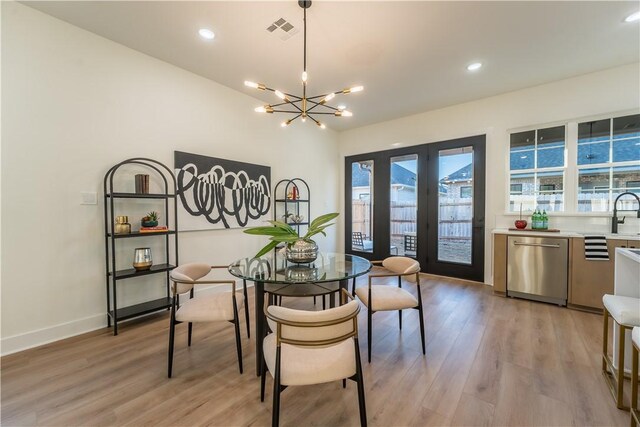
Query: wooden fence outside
[[455, 219]]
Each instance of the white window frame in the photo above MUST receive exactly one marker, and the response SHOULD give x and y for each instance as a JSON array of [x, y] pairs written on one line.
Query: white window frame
[[571, 162]]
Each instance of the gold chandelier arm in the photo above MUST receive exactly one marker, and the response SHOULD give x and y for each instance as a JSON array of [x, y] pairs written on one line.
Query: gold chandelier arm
[[291, 103], [297, 98], [317, 104]]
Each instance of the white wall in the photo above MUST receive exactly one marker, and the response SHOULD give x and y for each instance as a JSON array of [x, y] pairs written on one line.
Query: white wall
[[74, 104], [609, 91]]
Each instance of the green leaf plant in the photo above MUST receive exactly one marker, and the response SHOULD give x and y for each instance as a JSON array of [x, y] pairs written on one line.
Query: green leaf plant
[[281, 232]]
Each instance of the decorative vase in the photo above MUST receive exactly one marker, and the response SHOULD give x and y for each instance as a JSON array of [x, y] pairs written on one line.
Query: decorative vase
[[301, 273], [142, 259], [149, 223], [302, 251], [521, 224], [122, 225]]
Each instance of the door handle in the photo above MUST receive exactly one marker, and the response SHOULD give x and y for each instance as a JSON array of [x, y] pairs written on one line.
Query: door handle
[[541, 245]]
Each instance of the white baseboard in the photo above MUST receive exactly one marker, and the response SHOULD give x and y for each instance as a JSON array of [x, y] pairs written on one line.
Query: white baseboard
[[27, 340], [16, 343]]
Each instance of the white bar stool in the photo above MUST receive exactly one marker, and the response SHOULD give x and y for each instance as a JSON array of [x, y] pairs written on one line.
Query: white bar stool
[[625, 312], [635, 339]]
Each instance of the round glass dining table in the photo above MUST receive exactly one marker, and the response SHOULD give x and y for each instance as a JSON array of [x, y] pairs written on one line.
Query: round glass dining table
[[272, 273]]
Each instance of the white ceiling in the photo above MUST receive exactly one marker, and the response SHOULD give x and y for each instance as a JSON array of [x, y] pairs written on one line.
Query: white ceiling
[[410, 56]]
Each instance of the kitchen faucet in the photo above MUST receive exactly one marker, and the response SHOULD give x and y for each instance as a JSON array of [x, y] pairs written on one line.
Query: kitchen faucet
[[615, 221]]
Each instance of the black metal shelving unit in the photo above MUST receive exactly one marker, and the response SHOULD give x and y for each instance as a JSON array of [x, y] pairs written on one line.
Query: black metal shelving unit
[[284, 206], [116, 314]]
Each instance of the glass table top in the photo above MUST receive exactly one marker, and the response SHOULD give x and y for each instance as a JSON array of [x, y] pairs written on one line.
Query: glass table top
[[274, 268]]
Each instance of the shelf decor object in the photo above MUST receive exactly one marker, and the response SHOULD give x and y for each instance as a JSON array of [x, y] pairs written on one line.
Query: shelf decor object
[[304, 106], [142, 265], [142, 259]]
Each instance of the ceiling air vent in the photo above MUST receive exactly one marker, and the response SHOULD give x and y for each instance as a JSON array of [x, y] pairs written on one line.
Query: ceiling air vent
[[283, 29]]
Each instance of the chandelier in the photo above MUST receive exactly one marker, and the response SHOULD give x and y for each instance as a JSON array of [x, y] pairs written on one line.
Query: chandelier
[[304, 106]]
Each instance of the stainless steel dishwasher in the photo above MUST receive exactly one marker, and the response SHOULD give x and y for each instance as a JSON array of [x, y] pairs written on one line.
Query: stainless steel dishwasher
[[537, 268]]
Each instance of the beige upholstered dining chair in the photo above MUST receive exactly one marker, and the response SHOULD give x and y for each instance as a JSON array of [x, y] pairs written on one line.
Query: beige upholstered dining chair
[[388, 298], [312, 347], [222, 306]]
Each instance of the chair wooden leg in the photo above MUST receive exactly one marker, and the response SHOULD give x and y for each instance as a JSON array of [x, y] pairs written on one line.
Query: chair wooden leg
[[246, 307], [620, 388], [236, 324], [324, 302], [369, 334], [420, 313], [424, 348], [263, 379], [361, 401], [275, 419], [353, 287], [400, 311], [190, 332], [314, 300], [172, 332]]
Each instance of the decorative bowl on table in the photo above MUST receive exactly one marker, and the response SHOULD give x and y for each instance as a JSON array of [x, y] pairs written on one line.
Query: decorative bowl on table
[[521, 224], [302, 251]]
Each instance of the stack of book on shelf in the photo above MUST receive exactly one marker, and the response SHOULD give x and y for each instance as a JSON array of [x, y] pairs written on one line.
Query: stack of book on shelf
[[156, 229]]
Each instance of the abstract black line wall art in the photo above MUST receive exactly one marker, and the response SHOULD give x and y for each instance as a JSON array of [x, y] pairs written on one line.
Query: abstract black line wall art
[[217, 193]]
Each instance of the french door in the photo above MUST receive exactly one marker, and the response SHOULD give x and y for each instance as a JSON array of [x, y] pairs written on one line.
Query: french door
[[424, 202]]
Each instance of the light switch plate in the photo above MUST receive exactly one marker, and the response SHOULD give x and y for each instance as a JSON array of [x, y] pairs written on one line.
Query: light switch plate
[[89, 198]]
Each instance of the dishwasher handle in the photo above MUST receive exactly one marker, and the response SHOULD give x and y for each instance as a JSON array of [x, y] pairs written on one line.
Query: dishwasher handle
[[542, 245]]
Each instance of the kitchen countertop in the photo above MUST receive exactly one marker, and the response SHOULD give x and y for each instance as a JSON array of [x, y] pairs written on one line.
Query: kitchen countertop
[[566, 234]]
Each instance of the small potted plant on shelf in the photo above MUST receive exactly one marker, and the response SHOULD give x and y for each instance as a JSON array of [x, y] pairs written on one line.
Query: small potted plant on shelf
[[151, 220], [299, 249]]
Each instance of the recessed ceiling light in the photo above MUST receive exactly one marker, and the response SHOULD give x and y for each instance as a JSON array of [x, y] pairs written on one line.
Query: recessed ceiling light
[[474, 66], [633, 17], [206, 34]]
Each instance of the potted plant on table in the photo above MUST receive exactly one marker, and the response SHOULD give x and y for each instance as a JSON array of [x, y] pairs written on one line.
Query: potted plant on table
[[299, 249]]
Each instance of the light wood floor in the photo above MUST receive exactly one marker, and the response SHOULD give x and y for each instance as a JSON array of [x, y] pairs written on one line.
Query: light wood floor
[[490, 361]]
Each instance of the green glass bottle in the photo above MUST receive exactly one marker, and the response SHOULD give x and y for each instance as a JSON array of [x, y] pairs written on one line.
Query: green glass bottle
[[535, 218], [545, 220]]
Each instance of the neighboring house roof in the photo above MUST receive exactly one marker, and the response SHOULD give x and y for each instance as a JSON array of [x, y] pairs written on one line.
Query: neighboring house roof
[[462, 174], [399, 176]]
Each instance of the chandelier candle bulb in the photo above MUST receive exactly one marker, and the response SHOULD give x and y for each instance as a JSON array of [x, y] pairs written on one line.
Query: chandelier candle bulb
[[304, 76], [281, 95]]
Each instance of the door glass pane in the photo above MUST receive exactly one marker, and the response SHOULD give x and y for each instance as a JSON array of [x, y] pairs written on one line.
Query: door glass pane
[[403, 198], [362, 206], [455, 204]]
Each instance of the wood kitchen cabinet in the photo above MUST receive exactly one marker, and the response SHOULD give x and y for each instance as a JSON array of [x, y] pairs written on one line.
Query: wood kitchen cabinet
[[590, 280], [500, 264]]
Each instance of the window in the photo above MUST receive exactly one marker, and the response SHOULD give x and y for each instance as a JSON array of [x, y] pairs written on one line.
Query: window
[[608, 161], [537, 165], [466, 192]]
